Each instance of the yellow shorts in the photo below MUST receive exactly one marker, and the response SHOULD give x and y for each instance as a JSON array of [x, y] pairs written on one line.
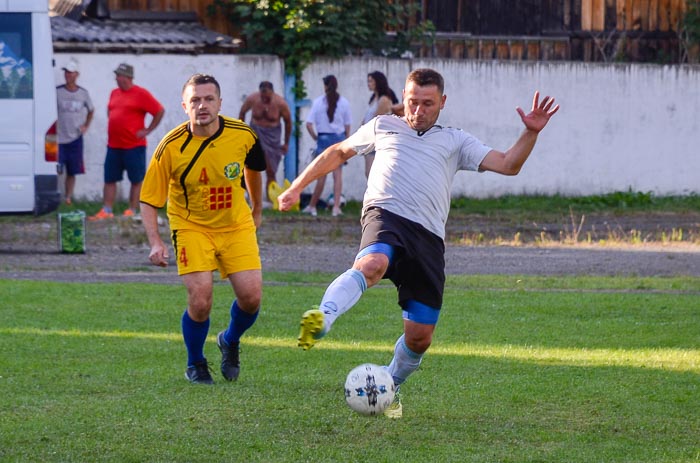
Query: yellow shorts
[[230, 252]]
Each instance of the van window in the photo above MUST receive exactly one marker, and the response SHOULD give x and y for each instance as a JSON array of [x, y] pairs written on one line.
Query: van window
[[16, 74]]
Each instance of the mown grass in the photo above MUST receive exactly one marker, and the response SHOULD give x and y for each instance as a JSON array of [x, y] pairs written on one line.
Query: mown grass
[[535, 207], [522, 369], [582, 221], [619, 202]]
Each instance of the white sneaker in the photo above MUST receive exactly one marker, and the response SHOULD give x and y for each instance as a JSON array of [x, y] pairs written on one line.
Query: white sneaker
[[395, 410], [310, 210]]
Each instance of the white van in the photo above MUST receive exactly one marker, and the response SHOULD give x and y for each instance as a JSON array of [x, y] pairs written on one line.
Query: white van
[[28, 145]]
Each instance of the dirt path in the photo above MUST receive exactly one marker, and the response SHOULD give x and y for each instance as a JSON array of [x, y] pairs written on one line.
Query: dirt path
[[117, 250]]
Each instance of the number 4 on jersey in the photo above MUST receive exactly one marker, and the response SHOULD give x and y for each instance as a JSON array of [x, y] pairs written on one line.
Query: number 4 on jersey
[[203, 177], [183, 257]]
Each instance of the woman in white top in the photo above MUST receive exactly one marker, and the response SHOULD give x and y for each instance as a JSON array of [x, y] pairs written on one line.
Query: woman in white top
[[328, 123], [381, 102]]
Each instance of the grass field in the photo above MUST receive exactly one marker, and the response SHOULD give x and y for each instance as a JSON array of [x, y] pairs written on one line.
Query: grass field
[[521, 370]]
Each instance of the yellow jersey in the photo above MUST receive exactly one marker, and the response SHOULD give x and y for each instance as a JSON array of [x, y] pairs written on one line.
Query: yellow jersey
[[202, 178]]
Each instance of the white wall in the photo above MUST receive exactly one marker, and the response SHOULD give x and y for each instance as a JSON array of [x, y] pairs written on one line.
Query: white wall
[[619, 127], [163, 76]]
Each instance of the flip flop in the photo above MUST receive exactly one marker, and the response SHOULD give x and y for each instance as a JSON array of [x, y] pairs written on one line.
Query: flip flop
[[273, 191]]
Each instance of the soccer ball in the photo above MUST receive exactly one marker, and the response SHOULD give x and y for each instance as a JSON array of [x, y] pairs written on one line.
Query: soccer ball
[[369, 389]]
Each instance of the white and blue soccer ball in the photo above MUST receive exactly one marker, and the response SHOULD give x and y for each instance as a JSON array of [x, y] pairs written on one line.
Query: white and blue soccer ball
[[331, 200], [369, 389]]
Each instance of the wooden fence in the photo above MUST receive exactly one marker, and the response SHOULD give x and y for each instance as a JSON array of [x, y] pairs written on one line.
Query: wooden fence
[[218, 22], [580, 30]]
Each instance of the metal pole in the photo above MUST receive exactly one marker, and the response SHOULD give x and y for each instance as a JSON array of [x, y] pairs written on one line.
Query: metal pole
[[291, 160]]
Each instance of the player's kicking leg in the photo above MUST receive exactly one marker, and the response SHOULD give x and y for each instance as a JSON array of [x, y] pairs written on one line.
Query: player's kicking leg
[[340, 296], [311, 328]]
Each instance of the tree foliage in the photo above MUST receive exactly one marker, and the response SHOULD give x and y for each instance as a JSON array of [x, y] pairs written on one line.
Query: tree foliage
[[692, 21], [300, 30], [689, 32]]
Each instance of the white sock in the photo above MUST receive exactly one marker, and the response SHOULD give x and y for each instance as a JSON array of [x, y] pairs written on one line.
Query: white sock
[[404, 363], [341, 295]]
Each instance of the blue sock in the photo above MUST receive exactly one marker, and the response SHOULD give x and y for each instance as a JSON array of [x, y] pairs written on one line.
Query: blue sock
[[195, 334], [405, 361], [240, 322]]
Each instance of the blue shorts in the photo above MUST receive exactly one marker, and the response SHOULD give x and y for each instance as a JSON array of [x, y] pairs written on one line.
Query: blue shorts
[[132, 160], [70, 155], [327, 139]]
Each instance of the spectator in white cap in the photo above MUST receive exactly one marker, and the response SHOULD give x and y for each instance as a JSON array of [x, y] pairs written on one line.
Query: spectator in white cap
[[75, 111]]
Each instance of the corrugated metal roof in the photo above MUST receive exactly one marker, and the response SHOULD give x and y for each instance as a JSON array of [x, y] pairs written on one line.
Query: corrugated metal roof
[[89, 34]]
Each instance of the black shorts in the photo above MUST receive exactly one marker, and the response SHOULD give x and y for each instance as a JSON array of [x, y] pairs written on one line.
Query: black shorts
[[418, 266]]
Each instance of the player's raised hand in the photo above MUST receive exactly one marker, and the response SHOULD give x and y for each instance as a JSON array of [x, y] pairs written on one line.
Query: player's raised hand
[[540, 113]]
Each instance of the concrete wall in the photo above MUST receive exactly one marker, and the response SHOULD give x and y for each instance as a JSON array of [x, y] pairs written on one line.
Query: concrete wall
[[163, 76], [620, 126]]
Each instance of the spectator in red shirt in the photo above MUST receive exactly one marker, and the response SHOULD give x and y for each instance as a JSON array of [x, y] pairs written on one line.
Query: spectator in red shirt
[[126, 139]]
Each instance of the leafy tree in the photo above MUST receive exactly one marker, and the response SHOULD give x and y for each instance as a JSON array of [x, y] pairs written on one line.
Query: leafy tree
[[689, 32], [300, 30]]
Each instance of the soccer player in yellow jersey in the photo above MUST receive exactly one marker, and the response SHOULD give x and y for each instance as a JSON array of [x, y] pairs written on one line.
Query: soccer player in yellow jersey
[[202, 169]]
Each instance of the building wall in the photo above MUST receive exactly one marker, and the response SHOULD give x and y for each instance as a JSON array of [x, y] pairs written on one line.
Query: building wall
[[163, 76], [620, 127]]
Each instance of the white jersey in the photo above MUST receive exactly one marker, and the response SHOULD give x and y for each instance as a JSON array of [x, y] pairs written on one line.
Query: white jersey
[[413, 171]]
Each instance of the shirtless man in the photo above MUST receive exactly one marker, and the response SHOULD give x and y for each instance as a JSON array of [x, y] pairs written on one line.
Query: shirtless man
[[267, 110]]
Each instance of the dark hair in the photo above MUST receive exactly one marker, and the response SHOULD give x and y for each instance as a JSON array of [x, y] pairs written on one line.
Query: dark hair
[[332, 96], [381, 87], [424, 76], [266, 84], [201, 79]]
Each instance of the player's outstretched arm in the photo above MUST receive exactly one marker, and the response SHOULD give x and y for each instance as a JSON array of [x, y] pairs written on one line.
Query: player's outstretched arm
[[539, 115], [510, 162], [332, 158]]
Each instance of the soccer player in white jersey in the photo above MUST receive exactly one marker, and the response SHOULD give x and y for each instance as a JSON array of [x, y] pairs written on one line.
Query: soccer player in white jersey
[[403, 219]]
